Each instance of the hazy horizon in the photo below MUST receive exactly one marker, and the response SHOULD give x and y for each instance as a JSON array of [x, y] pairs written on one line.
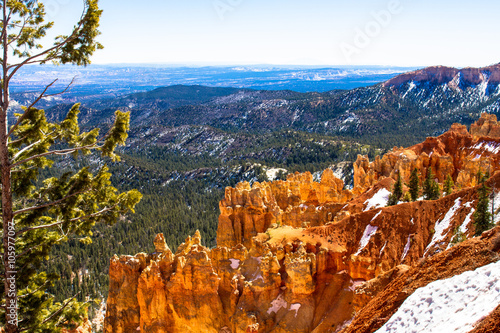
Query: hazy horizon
[[396, 33]]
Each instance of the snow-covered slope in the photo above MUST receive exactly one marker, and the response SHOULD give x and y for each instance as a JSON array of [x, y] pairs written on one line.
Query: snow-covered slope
[[450, 305]]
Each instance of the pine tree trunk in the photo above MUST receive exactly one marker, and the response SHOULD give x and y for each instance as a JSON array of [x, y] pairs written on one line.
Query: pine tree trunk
[[9, 254], [9, 231]]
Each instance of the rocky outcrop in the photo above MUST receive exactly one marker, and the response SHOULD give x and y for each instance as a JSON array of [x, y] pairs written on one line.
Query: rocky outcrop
[[289, 280], [249, 210], [306, 256], [487, 125], [457, 153], [463, 257]]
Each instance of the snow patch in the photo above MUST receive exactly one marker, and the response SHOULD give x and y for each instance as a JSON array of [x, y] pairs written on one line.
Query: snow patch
[[496, 202], [235, 263], [273, 173], [369, 232], [277, 305], [491, 146], [412, 86], [378, 200], [296, 307], [441, 226], [450, 305], [383, 248], [467, 220], [376, 215], [407, 248]]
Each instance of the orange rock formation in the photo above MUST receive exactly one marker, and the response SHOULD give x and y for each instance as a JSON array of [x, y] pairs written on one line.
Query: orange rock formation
[[304, 256], [457, 153]]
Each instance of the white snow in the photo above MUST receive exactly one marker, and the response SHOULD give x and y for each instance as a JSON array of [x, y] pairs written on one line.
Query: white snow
[[450, 305], [407, 248], [491, 146], [412, 86], [296, 307], [383, 248], [235, 263], [496, 201], [482, 88], [441, 226], [277, 304], [465, 223], [369, 232], [463, 227], [273, 173], [378, 200], [376, 215]]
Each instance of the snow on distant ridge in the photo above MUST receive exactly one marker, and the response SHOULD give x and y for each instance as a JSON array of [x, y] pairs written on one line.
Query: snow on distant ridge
[[450, 305]]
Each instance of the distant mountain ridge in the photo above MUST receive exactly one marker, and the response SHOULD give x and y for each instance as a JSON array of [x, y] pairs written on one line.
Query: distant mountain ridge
[[454, 77], [412, 106]]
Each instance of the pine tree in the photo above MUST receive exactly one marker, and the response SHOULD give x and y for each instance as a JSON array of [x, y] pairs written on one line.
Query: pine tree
[[482, 215], [414, 185], [448, 185], [38, 214], [397, 192], [431, 187]]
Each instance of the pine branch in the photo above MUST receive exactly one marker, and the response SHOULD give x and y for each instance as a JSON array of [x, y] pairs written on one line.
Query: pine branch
[[57, 152], [64, 151], [33, 59], [21, 28], [49, 203], [45, 226], [52, 315], [18, 122], [34, 291], [34, 247]]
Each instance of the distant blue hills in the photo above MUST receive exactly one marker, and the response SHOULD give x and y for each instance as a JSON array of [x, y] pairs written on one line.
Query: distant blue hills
[[114, 80]]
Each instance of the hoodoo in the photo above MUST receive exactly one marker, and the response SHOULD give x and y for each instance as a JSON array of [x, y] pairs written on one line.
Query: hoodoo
[[306, 256]]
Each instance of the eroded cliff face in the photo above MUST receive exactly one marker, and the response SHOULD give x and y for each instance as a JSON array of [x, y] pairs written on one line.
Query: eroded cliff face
[[299, 255], [249, 210], [457, 153]]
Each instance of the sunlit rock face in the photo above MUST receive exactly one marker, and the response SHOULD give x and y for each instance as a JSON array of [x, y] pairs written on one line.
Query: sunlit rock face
[[457, 153], [305, 256]]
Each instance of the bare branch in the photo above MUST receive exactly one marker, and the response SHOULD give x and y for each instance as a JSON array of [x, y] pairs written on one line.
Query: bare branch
[[34, 291], [19, 153], [57, 152], [48, 204], [42, 95], [65, 89], [6, 24], [45, 226]]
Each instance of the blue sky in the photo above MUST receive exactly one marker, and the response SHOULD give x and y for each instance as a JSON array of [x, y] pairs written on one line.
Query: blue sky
[[315, 32]]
